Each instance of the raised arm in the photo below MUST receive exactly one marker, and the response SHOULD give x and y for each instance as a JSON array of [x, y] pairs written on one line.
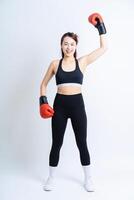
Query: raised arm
[[97, 21]]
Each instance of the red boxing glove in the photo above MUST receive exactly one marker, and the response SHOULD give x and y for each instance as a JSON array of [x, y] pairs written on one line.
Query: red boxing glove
[[97, 21], [46, 111], [93, 18]]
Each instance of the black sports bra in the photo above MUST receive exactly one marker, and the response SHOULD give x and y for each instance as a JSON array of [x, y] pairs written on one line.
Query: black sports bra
[[64, 77]]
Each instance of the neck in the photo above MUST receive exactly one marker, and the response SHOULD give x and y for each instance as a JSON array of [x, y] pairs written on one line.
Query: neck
[[69, 59]]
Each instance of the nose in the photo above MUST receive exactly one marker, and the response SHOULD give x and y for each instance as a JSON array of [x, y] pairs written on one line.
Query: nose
[[68, 46]]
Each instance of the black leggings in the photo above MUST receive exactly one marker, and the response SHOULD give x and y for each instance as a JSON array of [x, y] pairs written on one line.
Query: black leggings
[[69, 106]]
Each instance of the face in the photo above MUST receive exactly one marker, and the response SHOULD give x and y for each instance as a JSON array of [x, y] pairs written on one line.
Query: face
[[68, 46]]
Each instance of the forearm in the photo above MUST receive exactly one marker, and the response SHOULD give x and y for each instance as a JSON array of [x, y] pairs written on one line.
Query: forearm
[[43, 90], [103, 42]]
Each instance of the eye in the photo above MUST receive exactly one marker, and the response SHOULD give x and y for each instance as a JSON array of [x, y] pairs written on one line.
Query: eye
[[72, 44]]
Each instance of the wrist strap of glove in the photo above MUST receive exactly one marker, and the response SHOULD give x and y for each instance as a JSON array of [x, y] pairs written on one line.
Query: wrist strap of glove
[[101, 28], [43, 100]]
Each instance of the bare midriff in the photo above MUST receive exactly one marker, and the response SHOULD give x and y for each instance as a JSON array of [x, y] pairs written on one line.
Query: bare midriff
[[69, 90]]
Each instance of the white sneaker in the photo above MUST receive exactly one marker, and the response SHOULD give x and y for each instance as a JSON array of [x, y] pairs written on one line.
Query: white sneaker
[[49, 185], [88, 185]]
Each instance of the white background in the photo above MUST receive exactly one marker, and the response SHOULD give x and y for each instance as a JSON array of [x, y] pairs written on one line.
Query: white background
[[29, 40]]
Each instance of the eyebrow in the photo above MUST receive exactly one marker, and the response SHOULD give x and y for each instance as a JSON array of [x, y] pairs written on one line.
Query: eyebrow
[[70, 43]]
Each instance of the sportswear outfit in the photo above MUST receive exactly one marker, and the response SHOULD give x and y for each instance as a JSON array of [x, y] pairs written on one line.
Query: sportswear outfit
[[65, 107]]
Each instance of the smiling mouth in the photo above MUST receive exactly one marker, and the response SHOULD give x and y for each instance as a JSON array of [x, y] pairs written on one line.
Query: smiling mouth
[[69, 51]]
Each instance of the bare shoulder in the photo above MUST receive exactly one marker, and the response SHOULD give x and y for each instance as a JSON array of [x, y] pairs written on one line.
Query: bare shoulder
[[55, 62]]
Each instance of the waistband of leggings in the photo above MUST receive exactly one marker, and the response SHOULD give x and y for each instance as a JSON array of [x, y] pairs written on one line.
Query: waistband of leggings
[[69, 95]]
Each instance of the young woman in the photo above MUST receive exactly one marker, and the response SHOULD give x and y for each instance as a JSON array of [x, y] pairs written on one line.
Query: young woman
[[68, 102]]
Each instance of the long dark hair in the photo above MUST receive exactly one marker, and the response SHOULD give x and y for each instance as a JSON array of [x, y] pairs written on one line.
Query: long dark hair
[[73, 36]]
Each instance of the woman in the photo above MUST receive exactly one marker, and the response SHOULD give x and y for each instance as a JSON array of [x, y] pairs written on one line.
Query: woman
[[68, 102]]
